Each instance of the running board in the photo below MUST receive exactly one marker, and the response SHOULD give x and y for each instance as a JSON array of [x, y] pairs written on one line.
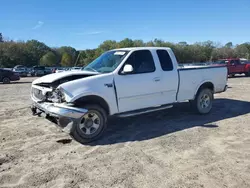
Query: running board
[[144, 111]]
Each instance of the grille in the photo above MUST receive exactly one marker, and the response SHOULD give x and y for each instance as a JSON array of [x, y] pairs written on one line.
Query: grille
[[38, 94]]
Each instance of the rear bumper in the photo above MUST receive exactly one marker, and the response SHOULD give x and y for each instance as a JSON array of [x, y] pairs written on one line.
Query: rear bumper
[[64, 116], [225, 88], [221, 91]]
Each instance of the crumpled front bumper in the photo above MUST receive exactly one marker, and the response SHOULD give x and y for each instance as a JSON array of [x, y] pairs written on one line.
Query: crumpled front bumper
[[63, 115]]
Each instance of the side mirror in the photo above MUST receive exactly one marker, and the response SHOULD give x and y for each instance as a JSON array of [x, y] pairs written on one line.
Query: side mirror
[[127, 69]]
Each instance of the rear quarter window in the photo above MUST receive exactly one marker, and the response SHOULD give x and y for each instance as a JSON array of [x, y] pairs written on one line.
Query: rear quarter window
[[165, 60]]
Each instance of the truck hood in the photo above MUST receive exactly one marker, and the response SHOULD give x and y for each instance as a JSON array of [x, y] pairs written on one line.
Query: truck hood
[[71, 75]]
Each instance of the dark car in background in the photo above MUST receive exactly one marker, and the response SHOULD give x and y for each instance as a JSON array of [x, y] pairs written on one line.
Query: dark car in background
[[23, 72], [38, 71], [6, 76], [48, 70]]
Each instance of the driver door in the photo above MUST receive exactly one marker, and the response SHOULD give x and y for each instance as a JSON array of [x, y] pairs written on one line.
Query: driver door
[[239, 66], [231, 67], [140, 88]]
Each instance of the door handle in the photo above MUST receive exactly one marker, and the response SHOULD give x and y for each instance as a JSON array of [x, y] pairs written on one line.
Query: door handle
[[157, 79]]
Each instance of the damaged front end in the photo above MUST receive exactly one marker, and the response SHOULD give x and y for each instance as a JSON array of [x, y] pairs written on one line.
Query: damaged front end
[[65, 116], [49, 100]]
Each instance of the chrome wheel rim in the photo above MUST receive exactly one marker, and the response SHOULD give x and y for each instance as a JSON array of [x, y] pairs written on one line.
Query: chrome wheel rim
[[205, 101], [90, 123]]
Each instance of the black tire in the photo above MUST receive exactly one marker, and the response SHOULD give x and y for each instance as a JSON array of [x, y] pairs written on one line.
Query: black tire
[[247, 74], [78, 132], [6, 80], [198, 103]]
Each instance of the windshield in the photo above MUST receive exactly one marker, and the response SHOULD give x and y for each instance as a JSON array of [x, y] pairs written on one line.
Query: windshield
[[220, 62], [107, 62], [20, 69]]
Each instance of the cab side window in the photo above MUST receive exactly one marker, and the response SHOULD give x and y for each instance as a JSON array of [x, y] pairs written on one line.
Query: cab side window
[[141, 61], [165, 60]]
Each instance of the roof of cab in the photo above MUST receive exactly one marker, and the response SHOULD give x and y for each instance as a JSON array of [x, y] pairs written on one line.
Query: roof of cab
[[141, 48]]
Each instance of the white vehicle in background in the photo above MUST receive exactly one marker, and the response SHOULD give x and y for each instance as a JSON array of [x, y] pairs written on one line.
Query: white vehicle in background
[[76, 68], [60, 69], [123, 82], [244, 61]]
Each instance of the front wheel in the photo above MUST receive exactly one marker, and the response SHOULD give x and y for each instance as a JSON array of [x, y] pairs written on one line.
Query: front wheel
[[202, 103], [6, 80], [91, 125]]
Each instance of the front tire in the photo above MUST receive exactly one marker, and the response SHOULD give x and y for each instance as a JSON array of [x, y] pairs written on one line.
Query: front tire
[[203, 101], [91, 125], [6, 80]]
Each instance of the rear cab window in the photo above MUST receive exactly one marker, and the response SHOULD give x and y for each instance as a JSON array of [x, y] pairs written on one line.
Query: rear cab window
[[232, 62], [237, 62], [165, 60]]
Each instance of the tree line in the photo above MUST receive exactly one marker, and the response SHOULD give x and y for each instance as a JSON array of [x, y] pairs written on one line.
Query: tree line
[[33, 52]]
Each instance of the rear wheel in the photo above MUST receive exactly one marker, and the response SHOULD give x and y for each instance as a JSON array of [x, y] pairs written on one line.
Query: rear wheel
[[247, 73], [202, 103], [91, 125], [6, 80]]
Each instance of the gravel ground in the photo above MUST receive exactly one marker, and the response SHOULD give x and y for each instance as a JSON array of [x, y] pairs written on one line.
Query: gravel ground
[[171, 148]]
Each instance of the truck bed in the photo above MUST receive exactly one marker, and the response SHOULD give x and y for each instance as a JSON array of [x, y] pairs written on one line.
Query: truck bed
[[192, 76]]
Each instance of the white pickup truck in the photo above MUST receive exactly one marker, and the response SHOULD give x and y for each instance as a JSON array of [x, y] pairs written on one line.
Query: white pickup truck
[[123, 82]]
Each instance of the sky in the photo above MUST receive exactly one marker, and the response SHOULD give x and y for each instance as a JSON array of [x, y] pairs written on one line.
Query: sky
[[84, 24]]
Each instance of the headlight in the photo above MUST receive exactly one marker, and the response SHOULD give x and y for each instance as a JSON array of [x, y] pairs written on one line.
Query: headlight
[[56, 96]]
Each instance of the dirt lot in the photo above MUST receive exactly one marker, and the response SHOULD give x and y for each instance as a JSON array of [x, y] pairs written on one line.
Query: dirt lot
[[173, 148]]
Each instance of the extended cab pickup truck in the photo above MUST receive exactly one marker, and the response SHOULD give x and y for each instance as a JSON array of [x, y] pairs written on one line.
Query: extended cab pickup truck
[[123, 82], [235, 66]]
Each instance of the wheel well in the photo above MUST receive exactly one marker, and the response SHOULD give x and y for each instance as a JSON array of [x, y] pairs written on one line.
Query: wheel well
[[208, 85], [93, 99]]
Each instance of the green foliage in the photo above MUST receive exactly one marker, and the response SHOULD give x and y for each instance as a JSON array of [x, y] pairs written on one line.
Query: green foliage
[[107, 45], [69, 50], [220, 53], [229, 45], [126, 43], [66, 60], [34, 52], [1, 37], [88, 56], [12, 54], [243, 50], [49, 59]]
